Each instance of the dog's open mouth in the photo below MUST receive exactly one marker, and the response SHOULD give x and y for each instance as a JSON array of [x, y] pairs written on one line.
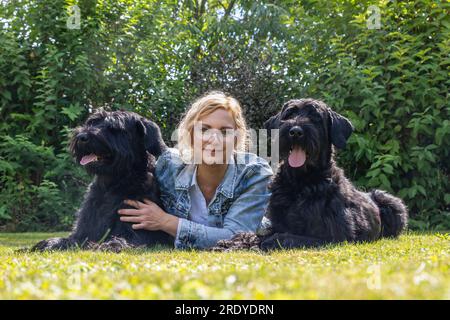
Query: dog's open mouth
[[90, 158], [297, 157]]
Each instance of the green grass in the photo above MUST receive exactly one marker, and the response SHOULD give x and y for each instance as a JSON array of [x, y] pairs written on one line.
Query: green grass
[[415, 266]]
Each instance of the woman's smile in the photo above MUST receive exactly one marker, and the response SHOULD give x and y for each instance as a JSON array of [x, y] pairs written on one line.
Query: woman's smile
[[213, 143]]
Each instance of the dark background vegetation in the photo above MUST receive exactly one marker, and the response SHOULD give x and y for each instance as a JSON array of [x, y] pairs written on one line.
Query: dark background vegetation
[[155, 57]]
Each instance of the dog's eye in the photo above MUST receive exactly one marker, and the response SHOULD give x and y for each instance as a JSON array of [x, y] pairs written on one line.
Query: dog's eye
[[316, 118], [115, 129], [287, 114], [93, 122]]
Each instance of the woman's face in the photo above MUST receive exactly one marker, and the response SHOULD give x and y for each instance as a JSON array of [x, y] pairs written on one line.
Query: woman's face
[[214, 138]]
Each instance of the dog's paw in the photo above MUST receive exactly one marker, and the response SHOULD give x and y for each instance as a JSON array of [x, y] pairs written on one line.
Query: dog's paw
[[53, 244], [116, 245], [273, 242], [240, 241]]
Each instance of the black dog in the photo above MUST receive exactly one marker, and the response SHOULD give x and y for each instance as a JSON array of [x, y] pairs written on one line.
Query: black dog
[[119, 149], [312, 202]]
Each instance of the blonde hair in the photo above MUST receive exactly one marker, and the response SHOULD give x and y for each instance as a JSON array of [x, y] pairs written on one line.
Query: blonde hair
[[203, 106]]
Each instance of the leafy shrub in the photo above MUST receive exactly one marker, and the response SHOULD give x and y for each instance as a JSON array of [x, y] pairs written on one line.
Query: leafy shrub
[[155, 57], [40, 191]]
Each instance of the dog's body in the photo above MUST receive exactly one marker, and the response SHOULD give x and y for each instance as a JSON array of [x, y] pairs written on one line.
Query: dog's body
[[119, 148], [312, 202]]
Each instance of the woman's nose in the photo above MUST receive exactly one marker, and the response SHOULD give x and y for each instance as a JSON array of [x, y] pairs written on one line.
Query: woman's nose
[[214, 137], [210, 136]]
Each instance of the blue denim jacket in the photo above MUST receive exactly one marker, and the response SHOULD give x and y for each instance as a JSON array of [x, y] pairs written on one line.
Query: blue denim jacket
[[238, 205]]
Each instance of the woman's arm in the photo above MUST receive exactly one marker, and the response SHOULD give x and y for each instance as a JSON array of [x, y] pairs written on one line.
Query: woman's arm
[[245, 214], [149, 216]]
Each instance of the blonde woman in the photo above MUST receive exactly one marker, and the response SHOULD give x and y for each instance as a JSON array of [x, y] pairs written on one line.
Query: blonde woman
[[210, 188]]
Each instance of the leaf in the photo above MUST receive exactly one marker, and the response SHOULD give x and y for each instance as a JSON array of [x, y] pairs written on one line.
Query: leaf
[[384, 181], [73, 111], [388, 169], [447, 198], [6, 94], [3, 213]]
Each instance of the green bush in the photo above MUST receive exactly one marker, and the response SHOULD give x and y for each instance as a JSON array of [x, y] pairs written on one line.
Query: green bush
[[40, 190], [155, 56]]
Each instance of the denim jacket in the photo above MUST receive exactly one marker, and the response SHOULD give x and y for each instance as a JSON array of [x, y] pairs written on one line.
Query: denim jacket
[[238, 205]]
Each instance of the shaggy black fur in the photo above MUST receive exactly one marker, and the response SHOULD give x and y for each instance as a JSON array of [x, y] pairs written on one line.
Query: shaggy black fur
[[126, 145], [314, 204]]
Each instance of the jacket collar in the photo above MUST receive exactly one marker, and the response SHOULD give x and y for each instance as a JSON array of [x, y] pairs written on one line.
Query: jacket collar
[[185, 178]]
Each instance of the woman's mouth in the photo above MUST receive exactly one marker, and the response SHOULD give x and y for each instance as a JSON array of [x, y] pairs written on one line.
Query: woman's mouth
[[212, 150]]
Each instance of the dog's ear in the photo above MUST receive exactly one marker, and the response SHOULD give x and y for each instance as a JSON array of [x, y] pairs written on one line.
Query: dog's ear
[[285, 105], [340, 129], [151, 137], [272, 122]]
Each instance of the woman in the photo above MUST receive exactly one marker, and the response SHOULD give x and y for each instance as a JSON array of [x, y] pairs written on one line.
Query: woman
[[210, 188]]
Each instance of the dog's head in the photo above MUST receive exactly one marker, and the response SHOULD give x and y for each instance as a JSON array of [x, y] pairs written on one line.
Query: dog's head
[[308, 128], [112, 143]]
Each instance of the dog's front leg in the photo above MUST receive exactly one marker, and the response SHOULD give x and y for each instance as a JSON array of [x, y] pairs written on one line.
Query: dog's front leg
[[55, 244], [289, 241], [115, 244]]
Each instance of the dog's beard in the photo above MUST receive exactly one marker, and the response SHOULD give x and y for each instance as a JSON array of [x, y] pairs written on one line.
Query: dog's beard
[[94, 157], [109, 160], [301, 153], [96, 164], [106, 165]]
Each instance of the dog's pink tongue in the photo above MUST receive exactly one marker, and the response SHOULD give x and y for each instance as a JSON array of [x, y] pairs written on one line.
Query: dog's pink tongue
[[89, 158], [297, 157]]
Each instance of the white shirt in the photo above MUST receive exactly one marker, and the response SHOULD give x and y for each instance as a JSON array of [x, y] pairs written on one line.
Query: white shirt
[[199, 210]]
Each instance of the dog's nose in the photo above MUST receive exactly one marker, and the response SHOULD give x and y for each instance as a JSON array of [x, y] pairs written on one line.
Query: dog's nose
[[296, 132], [83, 137]]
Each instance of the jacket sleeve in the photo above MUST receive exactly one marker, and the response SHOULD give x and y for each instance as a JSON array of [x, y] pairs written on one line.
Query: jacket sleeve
[[244, 215]]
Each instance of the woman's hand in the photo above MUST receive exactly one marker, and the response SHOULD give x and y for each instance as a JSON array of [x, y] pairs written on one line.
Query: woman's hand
[[149, 216]]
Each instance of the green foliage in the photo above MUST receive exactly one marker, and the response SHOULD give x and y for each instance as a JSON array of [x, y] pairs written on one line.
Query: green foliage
[[39, 189], [155, 56]]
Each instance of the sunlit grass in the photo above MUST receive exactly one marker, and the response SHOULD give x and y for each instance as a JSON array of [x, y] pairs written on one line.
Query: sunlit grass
[[416, 266]]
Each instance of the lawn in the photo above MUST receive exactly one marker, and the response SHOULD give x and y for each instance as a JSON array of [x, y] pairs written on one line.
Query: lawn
[[415, 266]]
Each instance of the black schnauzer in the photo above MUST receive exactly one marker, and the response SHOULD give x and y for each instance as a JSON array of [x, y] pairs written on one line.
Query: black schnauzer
[[312, 202], [119, 148]]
